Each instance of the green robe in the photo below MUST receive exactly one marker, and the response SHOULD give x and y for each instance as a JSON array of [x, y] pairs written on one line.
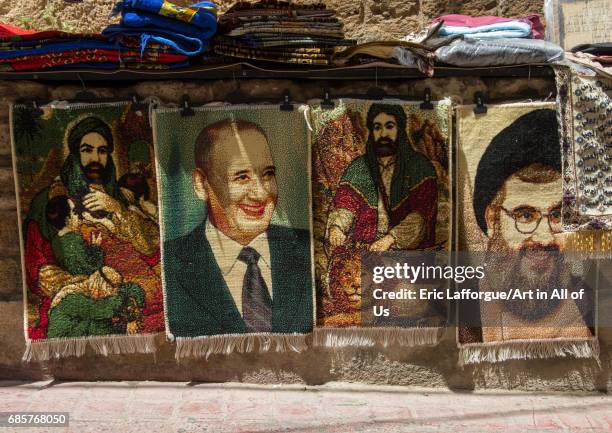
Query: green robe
[[79, 316], [74, 255]]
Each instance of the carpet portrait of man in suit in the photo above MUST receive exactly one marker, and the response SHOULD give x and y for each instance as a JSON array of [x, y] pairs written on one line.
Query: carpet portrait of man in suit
[[236, 272]]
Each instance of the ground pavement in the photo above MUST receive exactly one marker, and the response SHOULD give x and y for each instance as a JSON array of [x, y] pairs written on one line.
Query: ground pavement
[[126, 407]]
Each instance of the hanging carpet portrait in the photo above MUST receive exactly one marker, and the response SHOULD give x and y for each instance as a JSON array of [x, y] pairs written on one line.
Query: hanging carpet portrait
[[381, 184], [510, 191], [87, 203], [585, 104], [235, 212]]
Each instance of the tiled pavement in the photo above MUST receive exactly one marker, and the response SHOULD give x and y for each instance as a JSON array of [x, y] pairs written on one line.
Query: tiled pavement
[[122, 407]]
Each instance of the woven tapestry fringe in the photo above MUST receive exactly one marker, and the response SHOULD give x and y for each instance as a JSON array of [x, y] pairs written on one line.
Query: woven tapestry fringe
[[112, 345], [203, 347], [363, 337], [499, 352]]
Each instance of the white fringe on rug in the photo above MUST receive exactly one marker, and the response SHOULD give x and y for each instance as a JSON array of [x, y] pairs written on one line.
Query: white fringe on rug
[[109, 345], [524, 349], [369, 337], [203, 347]]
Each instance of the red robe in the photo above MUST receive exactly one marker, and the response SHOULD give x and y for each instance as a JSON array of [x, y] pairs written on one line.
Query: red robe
[[359, 195]]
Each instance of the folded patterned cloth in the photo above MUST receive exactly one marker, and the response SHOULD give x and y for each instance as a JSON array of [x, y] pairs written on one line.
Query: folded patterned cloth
[[510, 29], [91, 57], [599, 49], [273, 52], [590, 61], [458, 20], [124, 66], [405, 53], [59, 48], [603, 59], [38, 38], [276, 8], [273, 56], [263, 31], [305, 49], [9, 30], [295, 41], [53, 49], [270, 30], [227, 24], [498, 52], [202, 15]]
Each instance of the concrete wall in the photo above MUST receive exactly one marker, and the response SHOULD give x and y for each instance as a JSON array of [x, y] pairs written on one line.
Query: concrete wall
[[364, 19], [429, 366]]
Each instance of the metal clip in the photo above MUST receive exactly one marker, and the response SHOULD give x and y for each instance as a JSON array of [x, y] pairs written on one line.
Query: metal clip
[[286, 105], [327, 103], [186, 110], [137, 106], [480, 107], [35, 110], [426, 104]]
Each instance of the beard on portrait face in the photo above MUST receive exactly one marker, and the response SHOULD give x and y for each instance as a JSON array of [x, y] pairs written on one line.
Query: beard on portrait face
[[385, 146], [533, 266], [94, 172]]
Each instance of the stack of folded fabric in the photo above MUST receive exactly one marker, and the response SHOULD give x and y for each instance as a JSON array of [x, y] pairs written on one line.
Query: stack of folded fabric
[[418, 52], [282, 32], [182, 30], [495, 41], [31, 51]]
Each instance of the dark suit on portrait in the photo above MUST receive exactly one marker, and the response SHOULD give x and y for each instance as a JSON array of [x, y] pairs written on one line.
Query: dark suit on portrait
[[199, 302]]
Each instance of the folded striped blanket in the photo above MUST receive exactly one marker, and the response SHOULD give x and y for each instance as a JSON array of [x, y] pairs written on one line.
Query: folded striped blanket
[[302, 59], [269, 30], [54, 49]]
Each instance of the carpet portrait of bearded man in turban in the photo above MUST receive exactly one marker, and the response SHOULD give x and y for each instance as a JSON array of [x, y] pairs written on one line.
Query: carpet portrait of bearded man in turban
[[388, 197], [89, 256]]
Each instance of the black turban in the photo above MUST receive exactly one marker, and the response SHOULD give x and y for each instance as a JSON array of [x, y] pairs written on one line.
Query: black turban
[[532, 138]]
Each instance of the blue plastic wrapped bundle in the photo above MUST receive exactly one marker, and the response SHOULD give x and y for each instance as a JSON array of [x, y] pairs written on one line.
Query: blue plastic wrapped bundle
[[177, 42], [137, 19], [202, 15], [185, 30]]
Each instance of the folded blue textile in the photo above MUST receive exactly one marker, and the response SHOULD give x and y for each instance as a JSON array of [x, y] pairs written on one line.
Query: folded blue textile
[[202, 14], [510, 29], [135, 18], [178, 42]]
